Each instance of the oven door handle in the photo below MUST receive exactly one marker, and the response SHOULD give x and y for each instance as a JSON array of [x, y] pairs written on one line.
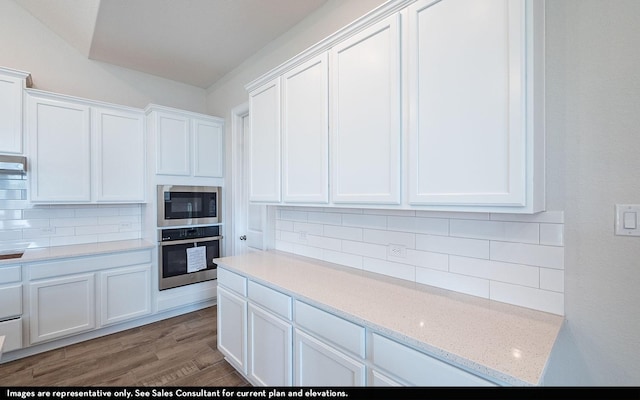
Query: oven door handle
[[186, 241]]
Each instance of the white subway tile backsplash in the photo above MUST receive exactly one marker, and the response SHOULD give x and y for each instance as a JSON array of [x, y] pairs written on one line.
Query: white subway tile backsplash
[[522, 253], [365, 221], [96, 229], [459, 283], [387, 237], [49, 212], [96, 212], [47, 232], [495, 270], [68, 240], [10, 214], [432, 226], [552, 279], [109, 237], [364, 249], [10, 235], [481, 254], [396, 270], [552, 234], [11, 194], [74, 221], [495, 230], [425, 259], [450, 245], [23, 223], [543, 300], [338, 257], [343, 232], [324, 218]]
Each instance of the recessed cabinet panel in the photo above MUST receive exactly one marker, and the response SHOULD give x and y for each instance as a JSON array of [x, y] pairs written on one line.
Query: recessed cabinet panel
[[232, 328], [11, 113], [270, 343], [125, 294], [467, 143], [60, 162], [264, 143], [366, 128], [208, 148], [61, 307], [305, 133], [119, 161], [173, 141]]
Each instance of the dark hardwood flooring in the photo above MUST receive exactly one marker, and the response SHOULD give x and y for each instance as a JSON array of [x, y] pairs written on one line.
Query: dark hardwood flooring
[[179, 351]]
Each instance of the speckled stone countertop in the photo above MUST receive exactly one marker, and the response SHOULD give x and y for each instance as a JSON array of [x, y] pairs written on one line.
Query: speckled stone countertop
[[77, 250], [508, 343]]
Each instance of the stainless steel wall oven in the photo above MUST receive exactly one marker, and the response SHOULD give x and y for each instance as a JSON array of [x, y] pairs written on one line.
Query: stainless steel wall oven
[[186, 255]]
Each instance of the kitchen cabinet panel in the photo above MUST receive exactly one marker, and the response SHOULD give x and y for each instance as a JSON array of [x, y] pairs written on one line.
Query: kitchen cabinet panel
[[119, 161], [264, 143], [270, 347], [318, 364], [83, 151], [305, 132], [471, 129], [61, 307], [208, 148], [12, 331], [232, 328], [173, 144], [60, 161], [125, 294], [11, 300], [366, 125], [12, 84]]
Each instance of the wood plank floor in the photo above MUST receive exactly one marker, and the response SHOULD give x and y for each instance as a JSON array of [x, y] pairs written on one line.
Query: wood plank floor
[[179, 351]]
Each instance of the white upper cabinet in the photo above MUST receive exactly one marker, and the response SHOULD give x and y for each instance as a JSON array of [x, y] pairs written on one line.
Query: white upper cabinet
[[475, 133], [187, 144], [366, 125], [264, 143], [119, 155], [12, 84], [59, 138], [305, 132], [84, 152]]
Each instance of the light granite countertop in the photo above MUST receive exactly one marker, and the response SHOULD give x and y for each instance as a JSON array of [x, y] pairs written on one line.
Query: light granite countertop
[[508, 343], [56, 252]]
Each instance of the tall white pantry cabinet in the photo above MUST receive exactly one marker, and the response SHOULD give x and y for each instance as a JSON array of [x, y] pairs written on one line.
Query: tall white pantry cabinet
[[432, 105]]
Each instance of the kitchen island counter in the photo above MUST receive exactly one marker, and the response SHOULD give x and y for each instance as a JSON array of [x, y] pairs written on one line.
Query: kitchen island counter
[[499, 341]]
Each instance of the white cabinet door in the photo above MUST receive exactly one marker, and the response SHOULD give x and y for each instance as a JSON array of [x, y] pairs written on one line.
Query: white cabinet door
[[468, 85], [264, 143], [12, 331], [118, 141], [11, 301], [270, 348], [208, 148], [317, 364], [366, 125], [173, 144], [61, 307], [11, 87], [125, 294], [232, 328], [305, 132], [60, 153]]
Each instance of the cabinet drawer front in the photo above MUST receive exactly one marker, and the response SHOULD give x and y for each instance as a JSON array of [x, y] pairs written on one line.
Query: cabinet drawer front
[[12, 332], [11, 301], [10, 274], [232, 281], [86, 264], [345, 334], [418, 368], [270, 299]]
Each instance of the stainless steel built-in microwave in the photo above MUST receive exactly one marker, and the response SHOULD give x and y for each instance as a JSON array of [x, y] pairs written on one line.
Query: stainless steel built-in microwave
[[188, 205]]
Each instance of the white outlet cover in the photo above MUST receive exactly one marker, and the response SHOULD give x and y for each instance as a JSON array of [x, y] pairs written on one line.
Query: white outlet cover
[[397, 250], [629, 213]]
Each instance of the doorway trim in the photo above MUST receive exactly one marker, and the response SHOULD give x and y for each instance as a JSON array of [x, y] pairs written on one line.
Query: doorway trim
[[237, 113]]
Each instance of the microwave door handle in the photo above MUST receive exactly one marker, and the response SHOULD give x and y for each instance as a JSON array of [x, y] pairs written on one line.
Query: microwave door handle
[[187, 241]]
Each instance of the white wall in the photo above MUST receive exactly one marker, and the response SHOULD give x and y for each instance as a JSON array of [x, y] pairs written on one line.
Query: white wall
[[55, 66], [593, 142]]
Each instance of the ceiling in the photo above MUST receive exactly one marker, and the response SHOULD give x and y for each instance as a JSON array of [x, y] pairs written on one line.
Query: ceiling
[[191, 41]]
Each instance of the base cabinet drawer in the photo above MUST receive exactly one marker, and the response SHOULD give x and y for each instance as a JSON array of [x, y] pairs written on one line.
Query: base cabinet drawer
[[12, 331], [10, 301], [417, 368]]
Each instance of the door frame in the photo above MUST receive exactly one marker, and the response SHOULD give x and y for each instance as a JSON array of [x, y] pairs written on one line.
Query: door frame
[[236, 208]]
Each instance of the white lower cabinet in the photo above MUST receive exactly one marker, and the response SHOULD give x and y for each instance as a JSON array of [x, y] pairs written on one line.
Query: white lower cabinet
[[61, 307], [320, 364], [232, 328], [417, 368], [125, 294], [11, 329], [80, 294], [269, 342]]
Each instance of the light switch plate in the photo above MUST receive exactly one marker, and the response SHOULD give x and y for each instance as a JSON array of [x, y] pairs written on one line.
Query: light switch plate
[[627, 219]]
